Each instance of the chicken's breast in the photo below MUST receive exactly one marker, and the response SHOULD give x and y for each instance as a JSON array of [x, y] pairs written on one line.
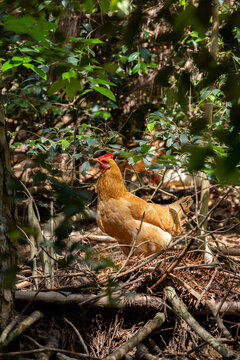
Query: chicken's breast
[[116, 218]]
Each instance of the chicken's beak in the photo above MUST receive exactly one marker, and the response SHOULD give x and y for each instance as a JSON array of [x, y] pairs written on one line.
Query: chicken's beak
[[101, 167]]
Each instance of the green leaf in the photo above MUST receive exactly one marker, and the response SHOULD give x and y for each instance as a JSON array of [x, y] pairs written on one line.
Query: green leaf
[[194, 34], [85, 167], [144, 67], [74, 85], [33, 49], [145, 148], [145, 54], [69, 74], [135, 69], [216, 91], [72, 60], [134, 160], [85, 92], [43, 148], [106, 92], [123, 59], [183, 138], [15, 61], [121, 6], [176, 146], [133, 56], [65, 144], [91, 41], [205, 93], [151, 125], [169, 142], [28, 25], [101, 81], [56, 86], [115, 146], [36, 70], [88, 6], [19, 25], [52, 143], [43, 139], [104, 5], [8, 65], [23, 59]]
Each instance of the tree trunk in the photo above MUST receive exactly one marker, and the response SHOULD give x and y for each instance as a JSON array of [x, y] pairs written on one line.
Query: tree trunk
[[7, 258]]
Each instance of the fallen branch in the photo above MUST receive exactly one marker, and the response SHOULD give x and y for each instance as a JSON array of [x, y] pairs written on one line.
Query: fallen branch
[[138, 301], [147, 329], [143, 353], [230, 251], [60, 356], [22, 326], [181, 310], [53, 297], [23, 285], [8, 329], [15, 354], [219, 321], [99, 238]]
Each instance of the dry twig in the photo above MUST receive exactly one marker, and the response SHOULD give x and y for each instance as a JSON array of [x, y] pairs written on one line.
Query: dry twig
[[22, 326], [150, 326]]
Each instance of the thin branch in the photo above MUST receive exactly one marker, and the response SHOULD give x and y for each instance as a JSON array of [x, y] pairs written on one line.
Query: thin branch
[[141, 334], [22, 326], [78, 335], [207, 287]]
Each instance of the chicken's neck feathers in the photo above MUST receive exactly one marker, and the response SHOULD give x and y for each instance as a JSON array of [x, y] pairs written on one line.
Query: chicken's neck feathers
[[111, 184]]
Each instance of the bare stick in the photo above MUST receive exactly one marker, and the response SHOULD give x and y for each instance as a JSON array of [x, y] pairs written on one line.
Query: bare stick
[[143, 353], [207, 287], [150, 326], [219, 320], [8, 329], [78, 335], [24, 325], [185, 285]]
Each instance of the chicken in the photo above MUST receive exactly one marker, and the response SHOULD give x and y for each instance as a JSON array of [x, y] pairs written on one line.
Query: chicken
[[146, 227]]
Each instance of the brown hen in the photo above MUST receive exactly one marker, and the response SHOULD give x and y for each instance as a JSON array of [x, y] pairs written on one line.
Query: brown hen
[[145, 227]]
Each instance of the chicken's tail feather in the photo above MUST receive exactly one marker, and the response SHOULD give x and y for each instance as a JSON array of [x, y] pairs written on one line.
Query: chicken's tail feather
[[182, 205]]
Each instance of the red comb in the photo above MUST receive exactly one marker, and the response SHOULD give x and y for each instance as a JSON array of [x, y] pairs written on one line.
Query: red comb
[[108, 155]]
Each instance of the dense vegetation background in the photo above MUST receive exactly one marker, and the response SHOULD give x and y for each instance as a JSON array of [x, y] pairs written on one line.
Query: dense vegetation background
[[144, 80]]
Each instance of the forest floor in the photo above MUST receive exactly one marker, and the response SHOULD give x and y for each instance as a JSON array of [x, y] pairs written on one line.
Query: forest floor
[[90, 310]]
